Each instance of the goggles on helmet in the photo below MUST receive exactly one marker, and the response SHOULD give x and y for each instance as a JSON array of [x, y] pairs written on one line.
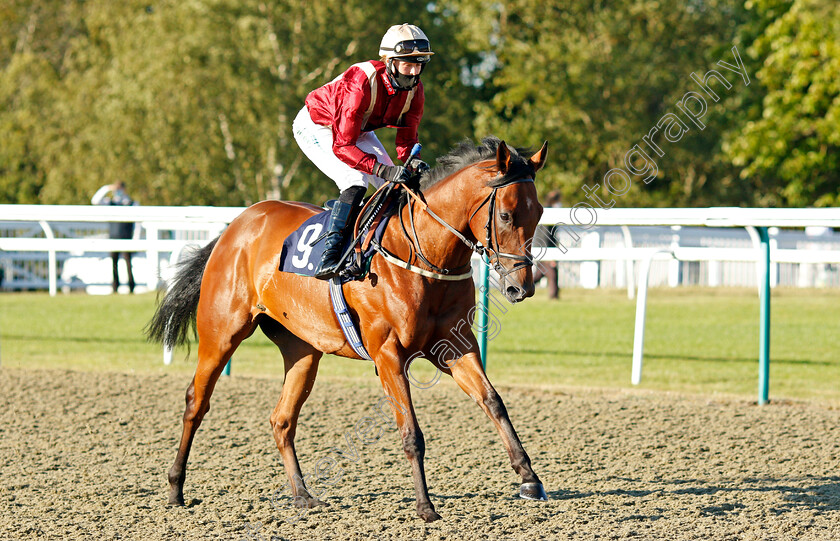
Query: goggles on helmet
[[411, 46]]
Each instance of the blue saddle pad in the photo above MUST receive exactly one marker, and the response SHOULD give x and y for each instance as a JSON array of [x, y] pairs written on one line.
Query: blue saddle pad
[[303, 248], [301, 252]]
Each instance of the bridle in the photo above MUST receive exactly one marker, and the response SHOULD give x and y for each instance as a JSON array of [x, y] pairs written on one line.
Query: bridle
[[492, 236], [489, 248]]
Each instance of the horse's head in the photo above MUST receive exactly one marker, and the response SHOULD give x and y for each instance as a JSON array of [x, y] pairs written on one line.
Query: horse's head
[[505, 214]]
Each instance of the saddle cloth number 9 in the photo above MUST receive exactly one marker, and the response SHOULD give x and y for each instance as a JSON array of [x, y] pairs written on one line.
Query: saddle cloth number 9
[[303, 252]]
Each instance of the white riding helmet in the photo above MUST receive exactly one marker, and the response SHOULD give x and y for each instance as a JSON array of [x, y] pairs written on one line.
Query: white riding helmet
[[405, 40], [409, 44]]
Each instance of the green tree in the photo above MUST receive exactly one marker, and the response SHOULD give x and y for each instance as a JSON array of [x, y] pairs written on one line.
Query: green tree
[[789, 145], [594, 77], [191, 102], [34, 42]]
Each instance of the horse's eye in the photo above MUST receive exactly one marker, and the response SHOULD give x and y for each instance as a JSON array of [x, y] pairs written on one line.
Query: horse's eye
[[504, 216]]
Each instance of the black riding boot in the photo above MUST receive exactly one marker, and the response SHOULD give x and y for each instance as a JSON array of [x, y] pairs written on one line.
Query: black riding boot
[[328, 267]]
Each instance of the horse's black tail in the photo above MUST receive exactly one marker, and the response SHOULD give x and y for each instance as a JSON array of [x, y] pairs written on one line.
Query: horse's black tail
[[176, 312]]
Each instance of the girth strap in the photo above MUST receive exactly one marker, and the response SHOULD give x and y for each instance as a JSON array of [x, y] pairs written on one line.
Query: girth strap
[[344, 319]]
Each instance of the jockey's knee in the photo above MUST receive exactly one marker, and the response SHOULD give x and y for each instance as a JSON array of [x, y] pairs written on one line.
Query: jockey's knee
[[353, 195]]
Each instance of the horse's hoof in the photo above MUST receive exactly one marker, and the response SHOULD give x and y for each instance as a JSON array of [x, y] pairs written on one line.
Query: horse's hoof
[[304, 502], [532, 491], [176, 498], [428, 514]]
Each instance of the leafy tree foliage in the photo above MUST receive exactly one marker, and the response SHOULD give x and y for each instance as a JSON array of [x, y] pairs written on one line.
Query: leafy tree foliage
[[594, 77], [789, 146], [191, 101]]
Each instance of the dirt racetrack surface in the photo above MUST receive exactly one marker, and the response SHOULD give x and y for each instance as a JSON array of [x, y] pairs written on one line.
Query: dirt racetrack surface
[[85, 456]]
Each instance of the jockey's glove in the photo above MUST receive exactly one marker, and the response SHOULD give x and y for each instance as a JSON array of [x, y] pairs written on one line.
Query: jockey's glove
[[391, 173], [417, 165]]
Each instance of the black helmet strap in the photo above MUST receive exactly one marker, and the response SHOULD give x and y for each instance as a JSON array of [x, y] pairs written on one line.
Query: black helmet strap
[[403, 82]]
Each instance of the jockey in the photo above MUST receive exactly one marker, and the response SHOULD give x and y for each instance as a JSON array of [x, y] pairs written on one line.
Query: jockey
[[335, 128]]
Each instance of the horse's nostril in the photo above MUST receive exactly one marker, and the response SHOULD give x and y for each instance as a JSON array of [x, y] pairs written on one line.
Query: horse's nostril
[[513, 292]]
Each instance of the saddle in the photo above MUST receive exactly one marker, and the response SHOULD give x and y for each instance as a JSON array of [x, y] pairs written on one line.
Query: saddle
[[303, 248]]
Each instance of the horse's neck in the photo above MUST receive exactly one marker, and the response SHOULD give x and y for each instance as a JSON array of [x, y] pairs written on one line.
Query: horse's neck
[[450, 200]]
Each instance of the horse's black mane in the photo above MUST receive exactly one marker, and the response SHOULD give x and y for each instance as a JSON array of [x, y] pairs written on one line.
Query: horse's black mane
[[467, 153]]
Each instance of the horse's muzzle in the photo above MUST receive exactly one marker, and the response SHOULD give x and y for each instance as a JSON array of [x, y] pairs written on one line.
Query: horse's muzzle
[[515, 293]]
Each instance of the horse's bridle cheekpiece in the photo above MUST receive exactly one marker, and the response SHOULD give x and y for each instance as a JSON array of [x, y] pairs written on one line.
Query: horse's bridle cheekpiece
[[497, 255]]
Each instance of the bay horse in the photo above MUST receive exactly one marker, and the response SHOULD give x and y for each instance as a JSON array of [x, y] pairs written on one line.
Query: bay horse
[[480, 198]]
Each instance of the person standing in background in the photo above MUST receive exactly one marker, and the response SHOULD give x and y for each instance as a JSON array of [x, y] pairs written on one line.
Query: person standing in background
[[115, 194]]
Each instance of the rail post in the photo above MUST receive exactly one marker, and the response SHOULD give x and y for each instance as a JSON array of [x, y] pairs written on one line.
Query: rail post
[[52, 265], [484, 280], [764, 325], [641, 312]]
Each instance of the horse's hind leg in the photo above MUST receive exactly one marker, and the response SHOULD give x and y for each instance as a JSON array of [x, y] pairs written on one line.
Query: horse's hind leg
[[301, 364], [214, 351]]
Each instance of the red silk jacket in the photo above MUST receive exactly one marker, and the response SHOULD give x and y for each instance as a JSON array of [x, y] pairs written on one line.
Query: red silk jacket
[[343, 104]]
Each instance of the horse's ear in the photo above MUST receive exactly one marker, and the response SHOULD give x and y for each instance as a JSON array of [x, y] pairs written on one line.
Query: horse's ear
[[503, 157], [538, 159]]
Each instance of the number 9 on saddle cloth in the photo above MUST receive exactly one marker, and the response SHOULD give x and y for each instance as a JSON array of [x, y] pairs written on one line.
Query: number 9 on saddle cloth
[[303, 248]]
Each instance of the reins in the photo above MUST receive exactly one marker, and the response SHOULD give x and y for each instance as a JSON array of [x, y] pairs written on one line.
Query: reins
[[446, 274], [437, 273]]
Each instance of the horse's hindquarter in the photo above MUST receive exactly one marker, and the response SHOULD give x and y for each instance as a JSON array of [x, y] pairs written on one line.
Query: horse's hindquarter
[[301, 304]]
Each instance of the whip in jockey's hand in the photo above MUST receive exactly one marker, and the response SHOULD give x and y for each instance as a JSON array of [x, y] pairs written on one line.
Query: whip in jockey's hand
[[416, 165]]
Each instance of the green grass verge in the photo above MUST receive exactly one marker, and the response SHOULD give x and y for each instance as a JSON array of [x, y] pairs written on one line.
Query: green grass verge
[[698, 340]]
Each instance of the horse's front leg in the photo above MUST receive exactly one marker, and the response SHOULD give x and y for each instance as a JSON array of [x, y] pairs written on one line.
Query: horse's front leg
[[469, 375], [390, 365]]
